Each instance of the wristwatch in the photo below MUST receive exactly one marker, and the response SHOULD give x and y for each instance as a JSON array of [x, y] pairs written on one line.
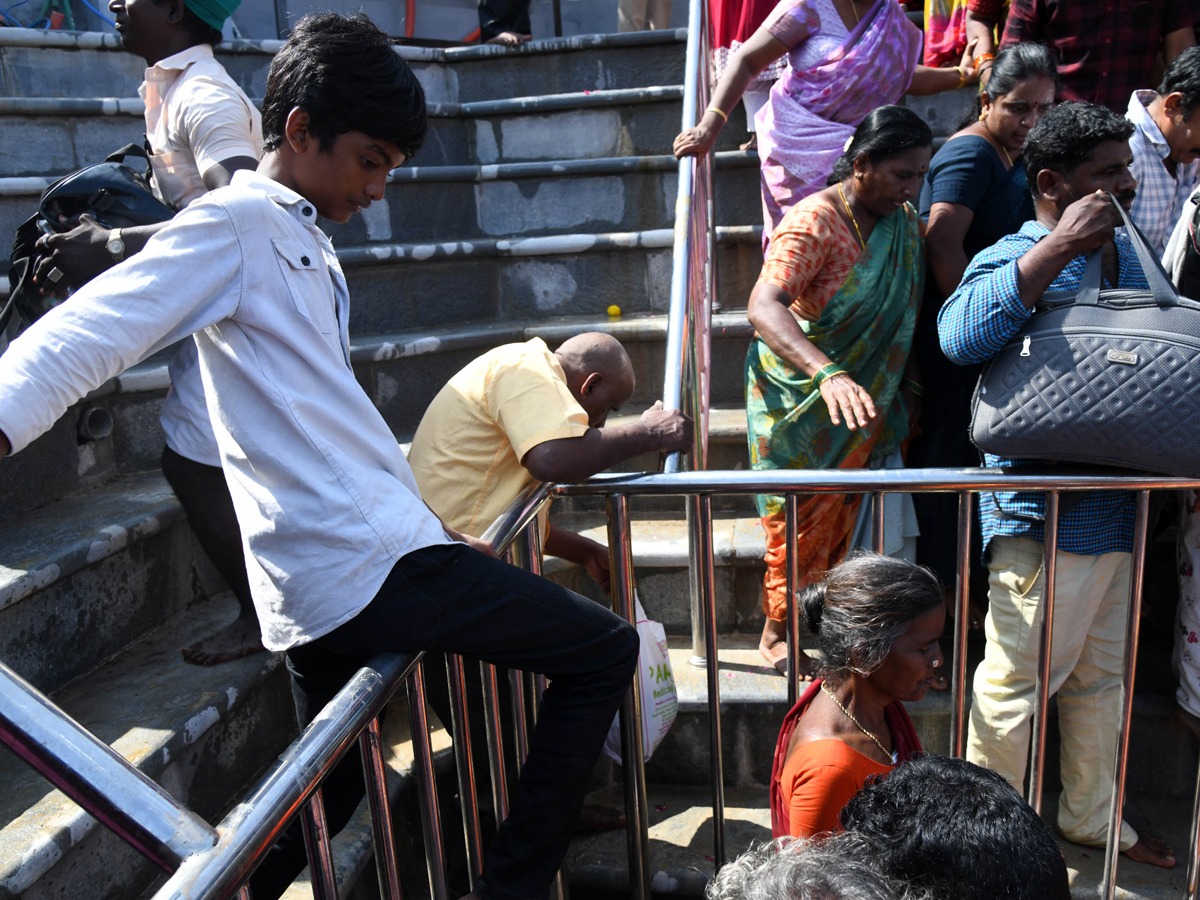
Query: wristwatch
[[115, 245]]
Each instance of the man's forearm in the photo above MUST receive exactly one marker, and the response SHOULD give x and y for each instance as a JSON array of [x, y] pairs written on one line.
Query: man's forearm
[[575, 459]]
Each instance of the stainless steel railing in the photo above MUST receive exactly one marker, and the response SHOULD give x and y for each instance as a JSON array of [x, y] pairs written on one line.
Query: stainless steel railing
[[966, 483], [216, 862]]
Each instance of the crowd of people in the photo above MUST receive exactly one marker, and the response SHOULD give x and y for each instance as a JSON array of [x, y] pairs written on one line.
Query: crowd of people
[[891, 273], [1080, 107]]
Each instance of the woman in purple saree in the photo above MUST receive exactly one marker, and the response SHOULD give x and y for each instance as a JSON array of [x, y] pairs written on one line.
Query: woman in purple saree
[[845, 58]]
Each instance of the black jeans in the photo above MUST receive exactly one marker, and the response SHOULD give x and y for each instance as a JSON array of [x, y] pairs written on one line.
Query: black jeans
[[451, 598]]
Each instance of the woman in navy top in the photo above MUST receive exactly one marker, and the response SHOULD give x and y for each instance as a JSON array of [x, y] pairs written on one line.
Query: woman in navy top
[[974, 194]]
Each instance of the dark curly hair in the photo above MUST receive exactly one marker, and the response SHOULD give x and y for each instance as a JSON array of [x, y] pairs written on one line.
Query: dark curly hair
[[346, 74], [1068, 135], [957, 830]]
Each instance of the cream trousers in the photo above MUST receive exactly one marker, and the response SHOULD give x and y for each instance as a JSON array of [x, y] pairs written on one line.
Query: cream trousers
[[643, 15], [1090, 603]]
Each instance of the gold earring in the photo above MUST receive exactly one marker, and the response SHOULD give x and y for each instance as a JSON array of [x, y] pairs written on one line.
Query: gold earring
[[982, 115]]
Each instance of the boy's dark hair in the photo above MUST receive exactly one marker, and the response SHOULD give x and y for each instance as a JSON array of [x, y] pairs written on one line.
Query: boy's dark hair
[[1183, 75], [886, 132], [958, 831], [1068, 135], [345, 73]]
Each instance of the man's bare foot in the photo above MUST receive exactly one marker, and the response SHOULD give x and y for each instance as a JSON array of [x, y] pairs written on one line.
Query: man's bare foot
[[1152, 851], [509, 39], [773, 647], [239, 638], [751, 144]]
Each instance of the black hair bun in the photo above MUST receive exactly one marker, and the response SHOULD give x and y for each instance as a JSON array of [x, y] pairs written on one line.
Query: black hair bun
[[812, 605]]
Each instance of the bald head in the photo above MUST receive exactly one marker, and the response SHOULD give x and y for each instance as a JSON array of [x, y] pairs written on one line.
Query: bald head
[[599, 373]]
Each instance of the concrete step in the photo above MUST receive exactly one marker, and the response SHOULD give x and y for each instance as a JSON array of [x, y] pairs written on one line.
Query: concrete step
[[38, 63], [84, 576], [515, 200], [203, 733], [579, 274], [62, 134], [681, 847], [592, 62]]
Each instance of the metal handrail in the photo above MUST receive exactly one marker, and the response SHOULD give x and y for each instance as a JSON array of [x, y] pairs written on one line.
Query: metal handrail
[[218, 870], [689, 316]]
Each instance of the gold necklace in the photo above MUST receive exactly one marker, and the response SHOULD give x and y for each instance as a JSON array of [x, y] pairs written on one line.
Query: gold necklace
[[859, 725], [850, 213], [1003, 149]]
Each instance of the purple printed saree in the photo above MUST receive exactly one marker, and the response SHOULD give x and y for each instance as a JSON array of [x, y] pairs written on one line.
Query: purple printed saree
[[815, 107]]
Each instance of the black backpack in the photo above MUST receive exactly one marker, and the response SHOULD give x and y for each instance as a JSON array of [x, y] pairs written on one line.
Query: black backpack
[[111, 191]]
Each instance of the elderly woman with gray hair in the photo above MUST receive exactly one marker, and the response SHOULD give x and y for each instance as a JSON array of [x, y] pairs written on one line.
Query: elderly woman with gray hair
[[796, 869], [877, 621]]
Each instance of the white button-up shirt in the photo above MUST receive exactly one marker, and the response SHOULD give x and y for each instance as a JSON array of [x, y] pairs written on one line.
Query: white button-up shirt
[[326, 501], [1160, 195]]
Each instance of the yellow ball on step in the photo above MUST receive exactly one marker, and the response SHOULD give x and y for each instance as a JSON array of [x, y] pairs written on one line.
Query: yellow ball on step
[[614, 310]]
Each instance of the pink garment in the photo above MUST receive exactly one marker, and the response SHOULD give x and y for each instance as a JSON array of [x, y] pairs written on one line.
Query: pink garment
[[817, 104]]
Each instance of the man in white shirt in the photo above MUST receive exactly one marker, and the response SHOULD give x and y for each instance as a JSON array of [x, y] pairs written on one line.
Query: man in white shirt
[[345, 560], [1166, 148], [200, 129]]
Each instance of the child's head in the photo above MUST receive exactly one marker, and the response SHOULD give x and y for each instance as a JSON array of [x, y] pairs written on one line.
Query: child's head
[[346, 75]]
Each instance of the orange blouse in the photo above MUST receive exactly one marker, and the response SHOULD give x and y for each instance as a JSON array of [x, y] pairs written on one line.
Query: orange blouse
[[812, 253], [818, 779]]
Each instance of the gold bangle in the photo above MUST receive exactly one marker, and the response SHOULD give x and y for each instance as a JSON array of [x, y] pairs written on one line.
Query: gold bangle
[[962, 76], [720, 112]]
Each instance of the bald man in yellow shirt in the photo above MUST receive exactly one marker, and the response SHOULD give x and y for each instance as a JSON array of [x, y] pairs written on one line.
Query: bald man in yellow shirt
[[521, 414]]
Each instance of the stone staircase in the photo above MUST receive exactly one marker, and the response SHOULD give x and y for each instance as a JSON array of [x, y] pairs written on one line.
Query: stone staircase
[[543, 196]]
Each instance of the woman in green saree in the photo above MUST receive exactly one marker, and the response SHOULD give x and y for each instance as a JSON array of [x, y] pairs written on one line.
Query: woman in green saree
[[826, 374]]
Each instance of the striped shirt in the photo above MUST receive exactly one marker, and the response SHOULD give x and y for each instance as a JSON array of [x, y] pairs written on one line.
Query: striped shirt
[[978, 319], [1160, 195]]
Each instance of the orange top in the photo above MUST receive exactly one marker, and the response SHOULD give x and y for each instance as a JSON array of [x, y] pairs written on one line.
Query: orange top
[[818, 779]]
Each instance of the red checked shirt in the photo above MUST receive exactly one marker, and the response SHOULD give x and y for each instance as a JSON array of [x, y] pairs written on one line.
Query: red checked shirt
[[1105, 48]]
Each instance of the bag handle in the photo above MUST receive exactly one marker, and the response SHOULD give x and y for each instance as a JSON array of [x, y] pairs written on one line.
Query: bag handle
[[1156, 276]]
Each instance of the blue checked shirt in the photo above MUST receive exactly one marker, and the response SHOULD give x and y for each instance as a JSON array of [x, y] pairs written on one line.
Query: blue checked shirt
[[978, 319], [1160, 195]]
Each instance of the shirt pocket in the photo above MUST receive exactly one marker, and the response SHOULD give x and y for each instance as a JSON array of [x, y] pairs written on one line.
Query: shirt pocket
[[307, 279]]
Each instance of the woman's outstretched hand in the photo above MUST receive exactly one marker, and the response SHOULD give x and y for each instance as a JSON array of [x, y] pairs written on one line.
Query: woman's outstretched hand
[[694, 141], [846, 399]]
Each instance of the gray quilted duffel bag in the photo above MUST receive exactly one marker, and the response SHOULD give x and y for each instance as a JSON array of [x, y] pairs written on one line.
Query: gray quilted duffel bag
[[1110, 377]]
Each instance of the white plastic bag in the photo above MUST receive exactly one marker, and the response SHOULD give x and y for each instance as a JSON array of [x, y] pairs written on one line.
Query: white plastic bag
[[660, 701]]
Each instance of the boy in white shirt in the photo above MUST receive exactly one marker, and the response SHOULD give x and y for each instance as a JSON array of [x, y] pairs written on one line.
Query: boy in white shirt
[[344, 558]]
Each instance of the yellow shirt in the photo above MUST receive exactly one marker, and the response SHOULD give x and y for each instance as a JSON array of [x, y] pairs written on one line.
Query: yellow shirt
[[467, 452]]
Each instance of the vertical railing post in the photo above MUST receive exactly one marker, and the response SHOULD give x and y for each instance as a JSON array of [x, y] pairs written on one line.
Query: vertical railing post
[[962, 599], [1133, 622], [632, 760], [316, 842], [878, 522], [431, 818], [1045, 656], [370, 743], [497, 766], [464, 765], [1193, 870], [704, 543], [791, 582]]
